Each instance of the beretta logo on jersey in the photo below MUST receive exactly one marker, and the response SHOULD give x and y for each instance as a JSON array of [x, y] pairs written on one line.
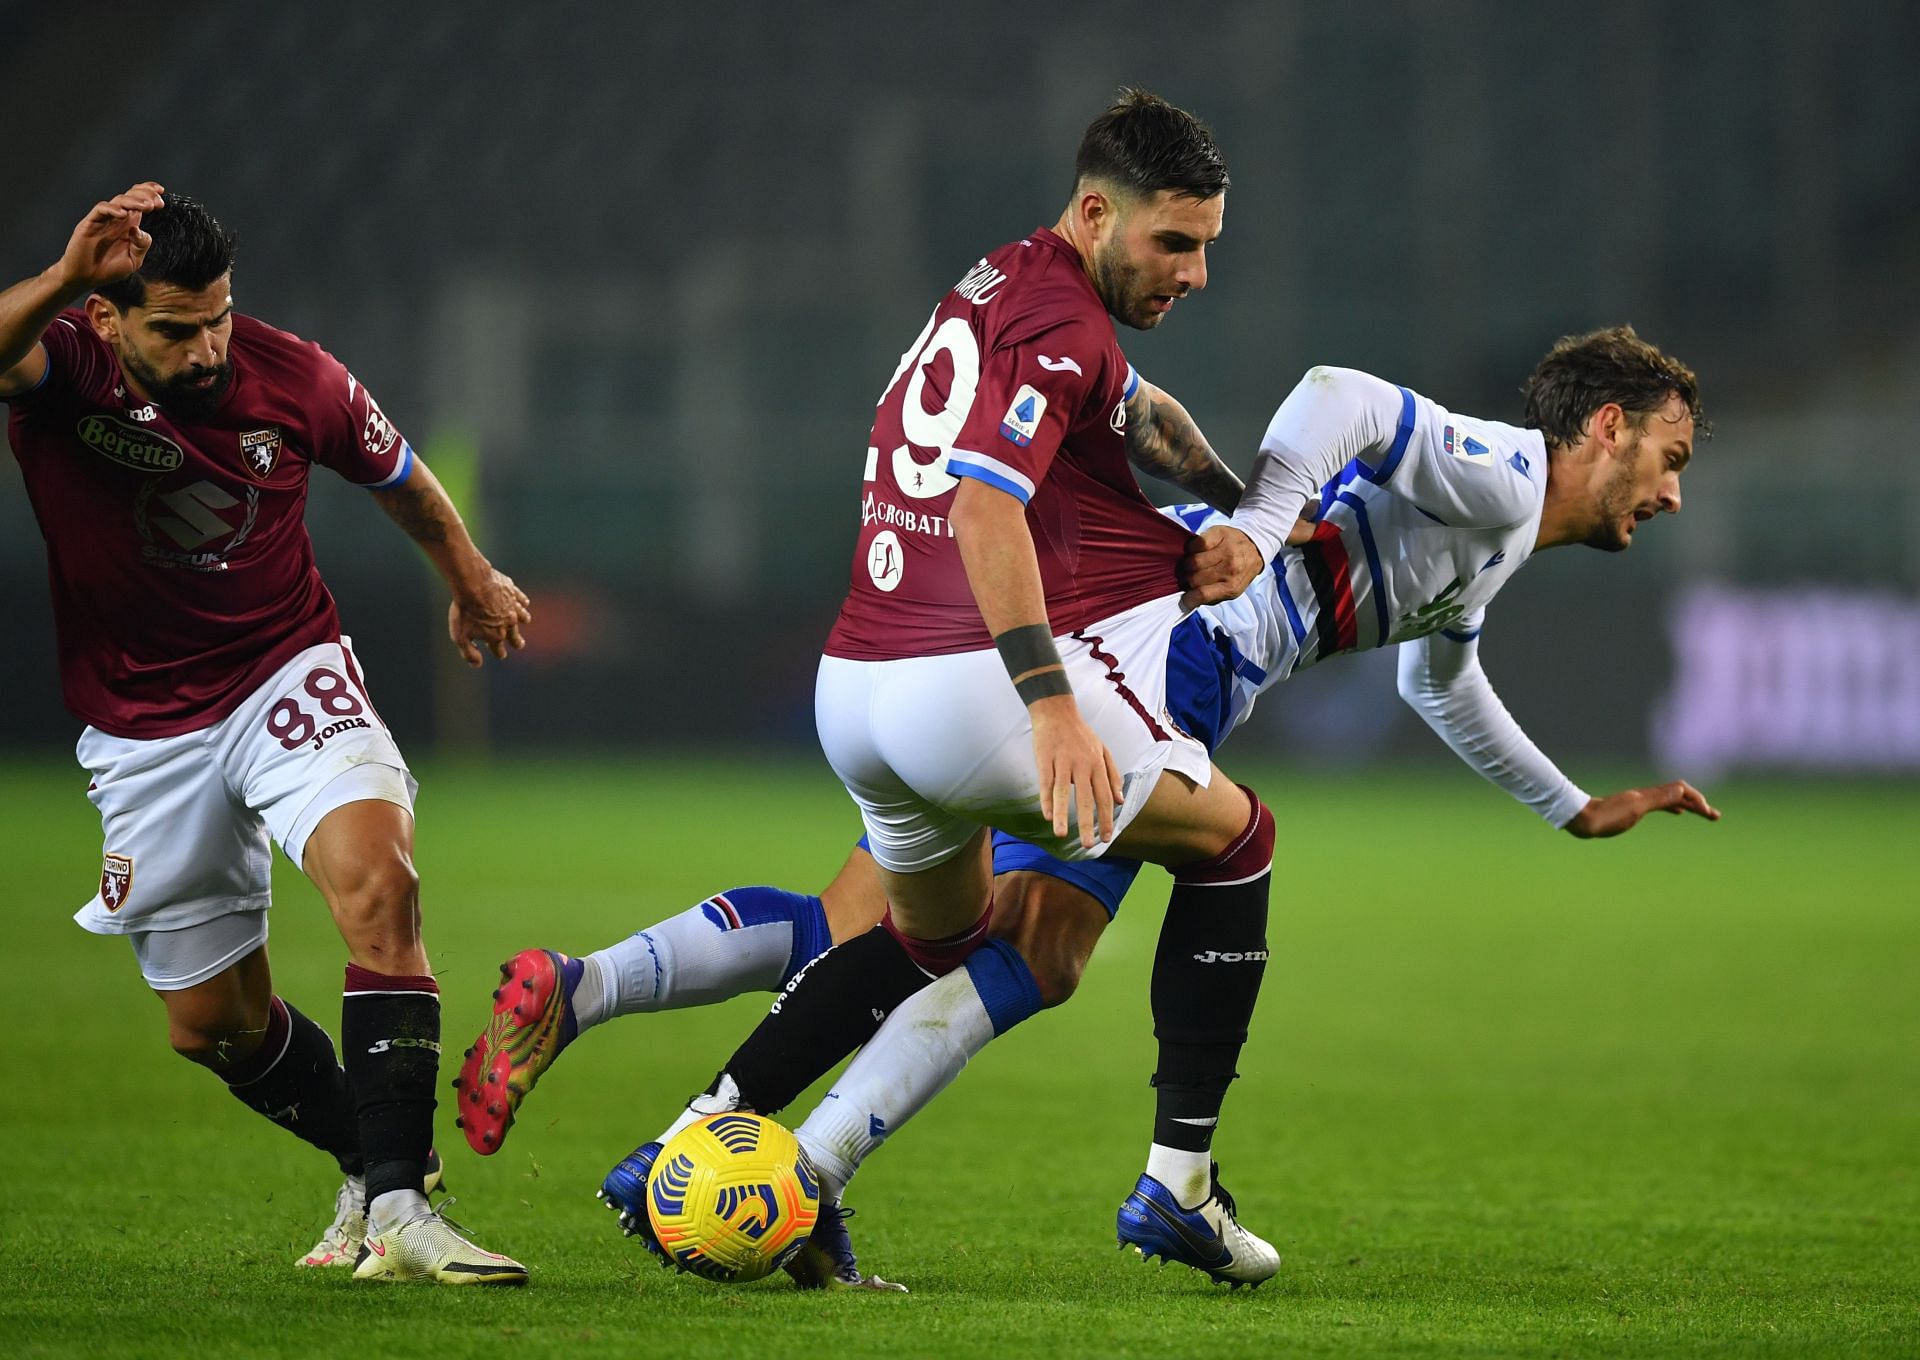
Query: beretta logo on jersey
[[116, 881], [260, 451], [129, 445], [1023, 417]]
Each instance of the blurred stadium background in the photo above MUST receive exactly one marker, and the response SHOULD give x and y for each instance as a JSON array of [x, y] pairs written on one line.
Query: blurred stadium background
[[634, 275]]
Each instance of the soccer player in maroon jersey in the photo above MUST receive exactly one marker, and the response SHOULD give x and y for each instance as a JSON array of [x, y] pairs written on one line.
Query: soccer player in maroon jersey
[[165, 441], [1000, 661]]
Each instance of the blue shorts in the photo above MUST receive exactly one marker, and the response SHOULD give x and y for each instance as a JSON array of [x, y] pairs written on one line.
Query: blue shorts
[[1200, 669], [1106, 879]]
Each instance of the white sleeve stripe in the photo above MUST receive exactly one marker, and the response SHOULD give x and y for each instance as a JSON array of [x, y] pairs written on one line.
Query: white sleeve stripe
[[967, 457]]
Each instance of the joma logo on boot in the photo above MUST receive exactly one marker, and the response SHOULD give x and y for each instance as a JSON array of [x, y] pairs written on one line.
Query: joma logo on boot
[[1231, 956]]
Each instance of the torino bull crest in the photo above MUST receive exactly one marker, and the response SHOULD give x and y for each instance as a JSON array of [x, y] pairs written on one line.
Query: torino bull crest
[[731, 1198]]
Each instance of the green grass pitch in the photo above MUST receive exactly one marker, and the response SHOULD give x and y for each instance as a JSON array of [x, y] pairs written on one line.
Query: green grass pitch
[[1507, 1094]]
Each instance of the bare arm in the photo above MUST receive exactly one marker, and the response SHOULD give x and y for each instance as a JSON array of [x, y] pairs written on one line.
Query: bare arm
[[488, 609], [1164, 442], [996, 547], [107, 245]]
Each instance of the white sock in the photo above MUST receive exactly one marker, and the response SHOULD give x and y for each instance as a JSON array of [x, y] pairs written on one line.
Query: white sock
[[686, 960], [394, 1208], [910, 1060], [1189, 1175], [724, 1100]]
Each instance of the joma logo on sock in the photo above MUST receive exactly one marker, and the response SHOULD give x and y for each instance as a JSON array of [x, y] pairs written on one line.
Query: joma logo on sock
[[1231, 956], [386, 1045]]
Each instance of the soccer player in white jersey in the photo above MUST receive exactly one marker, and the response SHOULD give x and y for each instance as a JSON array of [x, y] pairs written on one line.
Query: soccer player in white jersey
[[1609, 428]]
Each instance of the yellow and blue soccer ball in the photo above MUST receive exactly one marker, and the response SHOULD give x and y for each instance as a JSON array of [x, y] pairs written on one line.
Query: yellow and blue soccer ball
[[732, 1198]]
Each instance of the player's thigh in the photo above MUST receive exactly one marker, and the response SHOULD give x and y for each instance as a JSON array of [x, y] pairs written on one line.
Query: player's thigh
[[360, 853], [178, 848], [310, 742], [854, 901], [1183, 821]]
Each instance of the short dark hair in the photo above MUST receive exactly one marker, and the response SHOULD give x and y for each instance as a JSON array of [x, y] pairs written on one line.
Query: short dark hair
[[190, 250], [1582, 373], [1145, 144]]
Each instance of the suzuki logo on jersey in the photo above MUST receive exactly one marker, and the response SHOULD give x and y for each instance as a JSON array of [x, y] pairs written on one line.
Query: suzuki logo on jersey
[[116, 881], [199, 519], [1463, 445], [260, 451], [885, 563], [1061, 365], [128, 445], [1023, 417]]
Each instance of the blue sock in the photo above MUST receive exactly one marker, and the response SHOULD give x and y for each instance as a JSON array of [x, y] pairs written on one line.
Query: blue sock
[[760, 906], [1006, 984], [751, 939]]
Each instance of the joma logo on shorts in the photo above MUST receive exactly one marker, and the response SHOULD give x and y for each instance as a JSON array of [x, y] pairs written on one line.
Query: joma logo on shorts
[[129, 445], [1231, 956], [335, 729], [388, 1045]]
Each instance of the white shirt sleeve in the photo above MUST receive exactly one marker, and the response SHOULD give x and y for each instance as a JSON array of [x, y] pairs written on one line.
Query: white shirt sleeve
[[1462, 471], [1441, 678], [1332, 416]]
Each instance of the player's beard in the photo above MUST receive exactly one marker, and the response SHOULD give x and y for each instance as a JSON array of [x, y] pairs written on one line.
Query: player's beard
[[177, 396], [1616, 505], [1117, 279]]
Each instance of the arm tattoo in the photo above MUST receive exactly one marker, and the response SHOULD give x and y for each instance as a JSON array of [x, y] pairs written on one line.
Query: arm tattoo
[[420, 511], [1164, 442]]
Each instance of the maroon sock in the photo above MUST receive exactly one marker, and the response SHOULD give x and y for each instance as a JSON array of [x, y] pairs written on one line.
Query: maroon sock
[[940, 957]]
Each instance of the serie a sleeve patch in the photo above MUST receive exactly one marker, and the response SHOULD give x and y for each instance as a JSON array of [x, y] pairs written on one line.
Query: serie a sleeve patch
[[1023, 416]]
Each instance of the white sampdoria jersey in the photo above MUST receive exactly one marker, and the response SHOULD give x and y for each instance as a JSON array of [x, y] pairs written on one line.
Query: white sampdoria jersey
[[1423, 515]]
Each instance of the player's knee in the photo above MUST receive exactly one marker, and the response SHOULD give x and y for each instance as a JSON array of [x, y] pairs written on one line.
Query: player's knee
[[1057, 956], [381, 896], [212, 1042], [1058, 975]]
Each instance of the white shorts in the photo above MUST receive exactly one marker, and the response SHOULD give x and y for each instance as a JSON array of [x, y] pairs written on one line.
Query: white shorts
[[934, 747], [187, 819]]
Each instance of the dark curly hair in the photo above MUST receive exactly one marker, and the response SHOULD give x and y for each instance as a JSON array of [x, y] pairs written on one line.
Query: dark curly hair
[[1582, 373], [190, 250], [1145, 144]]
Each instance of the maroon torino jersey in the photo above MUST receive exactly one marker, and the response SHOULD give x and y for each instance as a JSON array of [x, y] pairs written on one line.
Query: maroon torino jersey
[[1016, 380], [181, 569]]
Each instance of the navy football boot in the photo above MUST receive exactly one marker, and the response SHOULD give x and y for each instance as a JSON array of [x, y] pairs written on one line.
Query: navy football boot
[[827, 1260], [1208, 1237], [624, 1191]]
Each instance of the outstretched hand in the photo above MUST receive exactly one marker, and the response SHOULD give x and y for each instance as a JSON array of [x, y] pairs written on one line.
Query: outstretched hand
[[108, 244], [1619, 812], [490, 616]]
